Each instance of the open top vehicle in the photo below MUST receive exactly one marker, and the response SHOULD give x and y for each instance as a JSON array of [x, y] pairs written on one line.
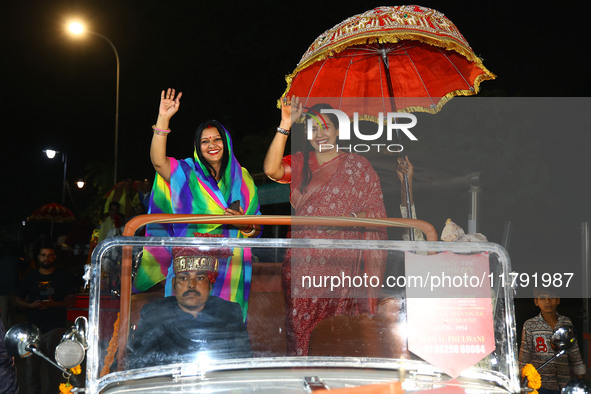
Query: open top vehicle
[[443, 317]]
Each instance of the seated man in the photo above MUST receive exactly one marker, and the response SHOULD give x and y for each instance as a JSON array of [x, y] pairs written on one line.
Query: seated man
[[179, 328]]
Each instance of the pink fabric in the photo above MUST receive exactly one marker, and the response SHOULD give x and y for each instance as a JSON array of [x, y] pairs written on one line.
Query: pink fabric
[[344, 185]]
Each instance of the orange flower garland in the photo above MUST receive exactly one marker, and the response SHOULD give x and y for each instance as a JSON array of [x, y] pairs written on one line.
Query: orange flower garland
[[65, 388], [112, 348], [76, 370], [534, 381]]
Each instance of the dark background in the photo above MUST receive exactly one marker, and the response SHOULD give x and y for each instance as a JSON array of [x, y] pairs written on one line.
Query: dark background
[[229, 59]]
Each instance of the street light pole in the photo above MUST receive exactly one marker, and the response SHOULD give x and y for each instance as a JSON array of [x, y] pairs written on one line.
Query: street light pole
[[116, 105], [77, 28], [50, 153], [64, 181]]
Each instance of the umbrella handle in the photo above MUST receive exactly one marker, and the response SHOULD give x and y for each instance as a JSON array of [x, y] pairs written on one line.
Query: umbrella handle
[[411, 232], [385, 64]]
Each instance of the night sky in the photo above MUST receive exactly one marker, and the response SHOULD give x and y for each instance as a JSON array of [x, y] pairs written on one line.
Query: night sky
[[230, 59]]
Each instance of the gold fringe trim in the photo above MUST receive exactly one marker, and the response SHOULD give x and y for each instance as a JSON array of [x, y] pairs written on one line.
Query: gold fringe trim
[[112, 349], [394, 37], [391, 38]]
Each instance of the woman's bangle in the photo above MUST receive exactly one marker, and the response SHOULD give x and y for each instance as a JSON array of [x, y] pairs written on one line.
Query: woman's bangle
[[282, 131], [251, 232], [159, 131]]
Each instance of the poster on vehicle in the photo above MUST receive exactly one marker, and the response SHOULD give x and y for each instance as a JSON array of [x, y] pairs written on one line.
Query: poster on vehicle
[[449, 309]]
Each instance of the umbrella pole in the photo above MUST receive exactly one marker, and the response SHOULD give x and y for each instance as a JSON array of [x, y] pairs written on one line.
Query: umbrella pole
[[386, 65]]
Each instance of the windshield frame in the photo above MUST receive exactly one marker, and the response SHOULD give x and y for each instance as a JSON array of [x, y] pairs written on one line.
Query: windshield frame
[[510, 382]]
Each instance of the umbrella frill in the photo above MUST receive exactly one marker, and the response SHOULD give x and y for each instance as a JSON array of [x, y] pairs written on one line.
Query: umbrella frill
[[52, 212], [390, 25]]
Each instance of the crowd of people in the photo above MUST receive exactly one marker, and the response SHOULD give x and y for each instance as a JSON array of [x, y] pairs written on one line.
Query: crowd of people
[[125, 201], [209, 293], [43, 296]]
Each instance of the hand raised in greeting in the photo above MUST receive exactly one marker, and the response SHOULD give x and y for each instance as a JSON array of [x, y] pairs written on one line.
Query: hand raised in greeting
[[291, 110], [169, 104]]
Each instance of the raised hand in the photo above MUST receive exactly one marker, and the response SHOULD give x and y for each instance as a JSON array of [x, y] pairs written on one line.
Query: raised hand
[[169, 104], [291, 110]]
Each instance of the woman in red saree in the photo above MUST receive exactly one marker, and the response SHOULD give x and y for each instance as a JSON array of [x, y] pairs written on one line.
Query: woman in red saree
[[325, 182]]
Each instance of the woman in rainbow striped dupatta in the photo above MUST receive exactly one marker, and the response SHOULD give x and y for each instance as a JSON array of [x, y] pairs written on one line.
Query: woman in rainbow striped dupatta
[[208, 183]]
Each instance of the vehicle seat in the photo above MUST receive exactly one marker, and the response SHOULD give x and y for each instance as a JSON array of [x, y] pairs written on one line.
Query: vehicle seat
[[139, 300], [266, 311]]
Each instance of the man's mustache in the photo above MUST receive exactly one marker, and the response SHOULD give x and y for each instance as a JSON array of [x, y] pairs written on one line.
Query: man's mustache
[[192, 291]]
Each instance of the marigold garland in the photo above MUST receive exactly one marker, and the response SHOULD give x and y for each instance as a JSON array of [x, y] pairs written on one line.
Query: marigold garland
[[112, 349], [65, 388], [534, 381]]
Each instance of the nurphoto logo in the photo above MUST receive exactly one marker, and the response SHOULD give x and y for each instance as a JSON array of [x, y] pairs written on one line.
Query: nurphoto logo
[[391, 124]]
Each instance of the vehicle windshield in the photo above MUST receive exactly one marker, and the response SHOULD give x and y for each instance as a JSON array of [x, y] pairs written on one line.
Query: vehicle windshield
[[440, 311]]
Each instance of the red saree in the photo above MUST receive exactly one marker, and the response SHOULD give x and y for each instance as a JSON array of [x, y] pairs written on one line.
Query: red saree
[[347, 184]]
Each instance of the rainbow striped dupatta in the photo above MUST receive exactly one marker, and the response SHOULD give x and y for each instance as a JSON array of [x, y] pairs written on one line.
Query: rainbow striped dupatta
[[193, 191]]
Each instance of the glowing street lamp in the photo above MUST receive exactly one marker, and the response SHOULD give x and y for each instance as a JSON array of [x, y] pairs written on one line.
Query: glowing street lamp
[[77, 29], [50, 153]]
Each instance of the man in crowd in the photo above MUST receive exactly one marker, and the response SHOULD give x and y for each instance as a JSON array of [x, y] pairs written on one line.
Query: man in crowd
[[192, 322], [45, 294]]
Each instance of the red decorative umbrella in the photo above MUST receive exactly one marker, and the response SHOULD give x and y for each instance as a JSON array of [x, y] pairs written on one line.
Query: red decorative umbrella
[[389, 59], [52, 212], [400, 58]]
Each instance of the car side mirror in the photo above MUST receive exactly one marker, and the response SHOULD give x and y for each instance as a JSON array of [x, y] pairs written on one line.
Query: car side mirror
[[577, 386], [562, 340], [22, 340]]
